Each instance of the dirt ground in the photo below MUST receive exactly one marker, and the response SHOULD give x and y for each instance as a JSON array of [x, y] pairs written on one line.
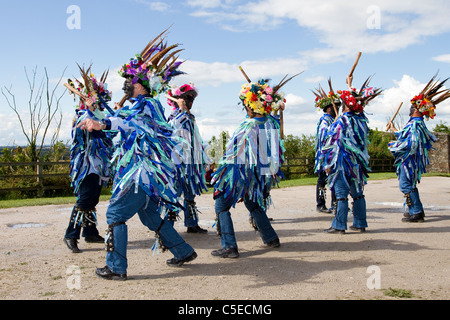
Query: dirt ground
[[35, 264]]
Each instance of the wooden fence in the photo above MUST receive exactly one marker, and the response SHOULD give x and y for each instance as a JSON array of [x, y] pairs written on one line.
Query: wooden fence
[[42, 171], [292, 168], [297, 167]]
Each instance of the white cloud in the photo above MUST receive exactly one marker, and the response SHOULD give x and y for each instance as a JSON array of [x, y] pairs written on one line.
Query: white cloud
[[218, 73], [316, 79], [442, 58], [159, 6], [343, 26]]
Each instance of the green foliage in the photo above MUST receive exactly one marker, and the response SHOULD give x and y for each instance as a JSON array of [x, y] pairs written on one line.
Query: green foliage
[[299, 147], [398, 293], [218, 146], [442, 127], [15, 176], [378, 147]]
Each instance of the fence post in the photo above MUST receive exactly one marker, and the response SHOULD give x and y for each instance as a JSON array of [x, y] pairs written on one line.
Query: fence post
[[39, 171]]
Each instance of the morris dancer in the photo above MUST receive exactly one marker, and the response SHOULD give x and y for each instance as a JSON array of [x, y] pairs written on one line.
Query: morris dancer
[[90, 155], [324, 102], [345, 157], [192, 161], [250, 167], [412, 145], [145, 174]]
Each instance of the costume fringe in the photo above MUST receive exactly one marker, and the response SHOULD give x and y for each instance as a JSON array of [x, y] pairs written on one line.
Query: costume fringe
[[411, 149], [143, 156], [322, 128], [87, 146], [345, 150], [252, 162], [191, 158]]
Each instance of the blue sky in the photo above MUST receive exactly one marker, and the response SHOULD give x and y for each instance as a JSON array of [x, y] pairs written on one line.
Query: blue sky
[[403, 44]]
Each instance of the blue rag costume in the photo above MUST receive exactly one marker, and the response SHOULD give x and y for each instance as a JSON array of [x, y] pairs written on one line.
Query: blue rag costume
[[191, 161], [411, 158], [345, 154], [249, 169]]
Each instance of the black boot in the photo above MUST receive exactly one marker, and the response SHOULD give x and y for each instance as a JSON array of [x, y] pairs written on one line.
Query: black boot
[[178, 263], [106, 273], [418, 217], [94, 239], [196, 229], [72, 244], [226, 253]]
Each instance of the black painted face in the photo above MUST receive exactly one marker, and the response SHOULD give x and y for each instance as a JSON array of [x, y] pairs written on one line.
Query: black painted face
[[412, 109], [128, 88]]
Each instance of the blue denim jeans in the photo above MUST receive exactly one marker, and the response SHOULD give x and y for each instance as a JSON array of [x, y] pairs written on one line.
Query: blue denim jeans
[[123, 209], [342, 190], [87, 198], [228, 239], [406, 186]]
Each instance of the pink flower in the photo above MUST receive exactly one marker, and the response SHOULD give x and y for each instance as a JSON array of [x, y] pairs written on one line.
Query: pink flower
[[269, 90]]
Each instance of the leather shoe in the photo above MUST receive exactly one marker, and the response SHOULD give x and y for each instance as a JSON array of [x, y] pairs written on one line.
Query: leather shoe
[[333, 230], [226, 253], [72, 244], [196, 229], [274, 243], [179, 262], [357, 229], [323, 209], [106, 273], [418, 217], [94, 239]]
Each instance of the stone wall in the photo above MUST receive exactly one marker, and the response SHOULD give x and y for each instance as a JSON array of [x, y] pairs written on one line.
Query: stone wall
[[440, 155]]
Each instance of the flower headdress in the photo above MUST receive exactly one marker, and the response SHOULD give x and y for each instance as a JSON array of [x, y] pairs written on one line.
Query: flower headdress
[[324, 100], [262, 98], [91, 88], [155, 66], [177, 92], [356, 101], [430, 97]]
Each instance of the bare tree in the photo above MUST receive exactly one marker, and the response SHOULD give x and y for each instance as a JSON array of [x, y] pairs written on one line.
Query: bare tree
[[43, 108]]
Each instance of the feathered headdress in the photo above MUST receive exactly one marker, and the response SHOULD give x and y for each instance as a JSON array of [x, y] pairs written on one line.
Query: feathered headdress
[[155, 66], [430, 97], [92, 88], [324, 100], [177, 92], [261, 98], [356, 101]]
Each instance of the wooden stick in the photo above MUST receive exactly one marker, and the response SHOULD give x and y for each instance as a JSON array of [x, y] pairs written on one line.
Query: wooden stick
[[245, 75], [336, 111], [354, 66], [122, 102], [79, 94], [281, 125], [171, 98], [75, 91], [395, 114]]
